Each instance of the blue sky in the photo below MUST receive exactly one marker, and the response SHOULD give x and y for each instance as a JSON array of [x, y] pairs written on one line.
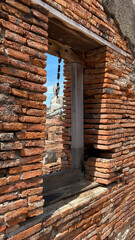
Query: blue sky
[[51, 68]]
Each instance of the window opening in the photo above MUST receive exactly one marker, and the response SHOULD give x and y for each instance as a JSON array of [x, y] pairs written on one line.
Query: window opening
[[54, 115]]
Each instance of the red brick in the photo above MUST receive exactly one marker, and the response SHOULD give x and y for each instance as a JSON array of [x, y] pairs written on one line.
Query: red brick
[[38, 62], [38, 46], [36, 78], [29, 183], [25, 168], [35, 212], [23, 65], [10, 10], [15, 37], [19, 93], [7, 189], [9, 163], [32, 191], [31, 159], [32, 174], [13, 126], [19, 6], [12, 45], [31, 104], [25, 234], [39, 15], [34, 143], [33, 52], [16, 213], [11, 27], [36, 204], [32, 86], [8, 118], [31, 151], [35, 198], [14, 178], [13, 72], [36, 112], [18, 54], [6, 136], [16, 220], [2, 228], [30, 119], [12, 81], [13, 205], [31, 135], [8, 197], [11, 145], [37, 97], [5, 89], [4, 59], [39, 31]]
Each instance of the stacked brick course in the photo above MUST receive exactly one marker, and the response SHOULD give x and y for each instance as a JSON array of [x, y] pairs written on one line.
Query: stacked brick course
[[109, 115], [23, 40], [66, 135], [105, 212]]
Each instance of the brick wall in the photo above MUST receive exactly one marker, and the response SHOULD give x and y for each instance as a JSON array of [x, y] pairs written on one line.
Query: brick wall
[[53, 145], [109, 115], [23, 36], [108, 213]]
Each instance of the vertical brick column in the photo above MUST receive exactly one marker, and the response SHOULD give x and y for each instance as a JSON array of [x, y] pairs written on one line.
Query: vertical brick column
[[67, 151], [23, 38], [109, 117]]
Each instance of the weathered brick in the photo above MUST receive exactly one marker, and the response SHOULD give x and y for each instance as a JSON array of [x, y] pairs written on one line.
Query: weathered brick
[[31, 104], [32, 174], [27, 232], [39, 15], [18, 54], [39, 31], [35, 198], [11, 27], [15, 37], [32, 191], [38, 46], [6, 136], [11, 145], [19, 6], [3, 181], [36, 204], [9, 163], [13, 72], [30, 119], [7, 155], [12, 126], [13, 205], [19, 93], [31, 151], [7, 189], [29, 183], [31, 159], [25, 168], [16, 213], [36, 78], [36, 112], [37, 97], [14, 178], [32, 86], [12, 81], [35, 212], [2, 228], [30, 135]]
